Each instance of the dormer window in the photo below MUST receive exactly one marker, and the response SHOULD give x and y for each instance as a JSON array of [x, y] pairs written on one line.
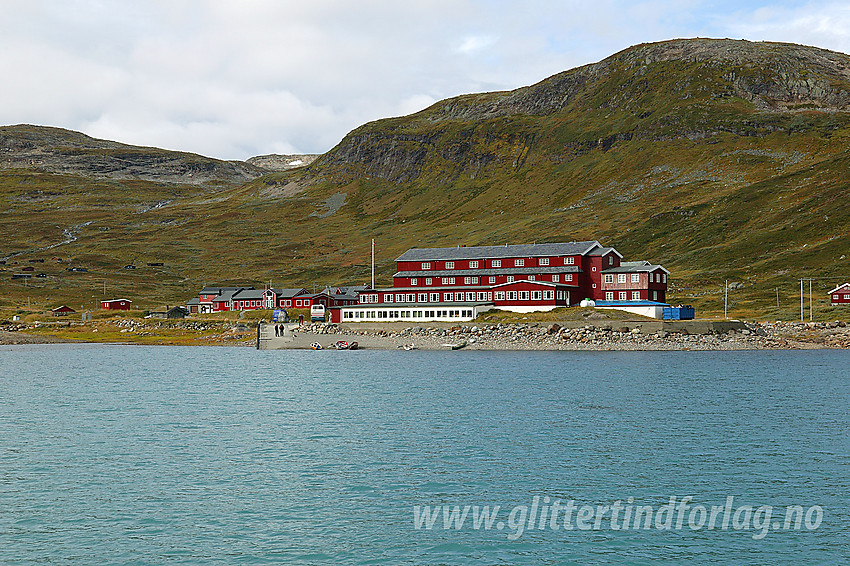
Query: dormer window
[[610, 260]]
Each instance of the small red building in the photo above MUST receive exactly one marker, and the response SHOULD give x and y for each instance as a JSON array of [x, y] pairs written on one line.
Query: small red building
[[116, 304], [840, 295]]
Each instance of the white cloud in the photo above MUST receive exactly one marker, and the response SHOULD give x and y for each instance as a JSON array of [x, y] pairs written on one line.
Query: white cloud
[[235, 79]]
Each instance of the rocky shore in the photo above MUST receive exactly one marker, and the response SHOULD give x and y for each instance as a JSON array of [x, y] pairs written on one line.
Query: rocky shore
[[567, 335], [553, 336]]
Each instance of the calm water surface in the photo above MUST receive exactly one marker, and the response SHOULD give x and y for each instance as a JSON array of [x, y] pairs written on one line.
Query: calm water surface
[[158, 455]]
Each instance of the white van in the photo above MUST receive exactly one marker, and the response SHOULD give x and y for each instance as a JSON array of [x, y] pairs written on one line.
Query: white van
[[317, 313]]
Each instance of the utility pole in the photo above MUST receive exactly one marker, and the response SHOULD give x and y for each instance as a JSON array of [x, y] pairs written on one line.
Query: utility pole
[[104, 288], [811, 312], [373, 263], [801, 299], [777, 297], [726, 300]]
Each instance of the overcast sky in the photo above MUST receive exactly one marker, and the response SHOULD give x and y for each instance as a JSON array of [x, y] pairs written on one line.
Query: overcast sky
[[237, 78]]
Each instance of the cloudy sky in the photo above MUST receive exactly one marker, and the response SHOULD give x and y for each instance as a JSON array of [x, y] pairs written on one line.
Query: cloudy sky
[[237, 78]]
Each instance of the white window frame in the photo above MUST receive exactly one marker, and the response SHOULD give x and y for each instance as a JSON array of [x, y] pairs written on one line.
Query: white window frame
[[388, 297], [548, 295], [635, 277], [544, 261], [450, 265], [496, 263], [510, 278], [470, 297], [609, 295], [556, 278], [492, 280], [532, 278], [473, 264], [635, 295], [475, 281], [414, 281], [429, 281], [621, 278], [467, 280], [519, 262], [426, 265], [523, 295], [609, 278], [451, 280], [445, 280], [623, 295], [537, 295], [499, 295]]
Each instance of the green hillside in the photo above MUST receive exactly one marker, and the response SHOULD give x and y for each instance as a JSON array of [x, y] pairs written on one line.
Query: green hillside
[[720, 159]]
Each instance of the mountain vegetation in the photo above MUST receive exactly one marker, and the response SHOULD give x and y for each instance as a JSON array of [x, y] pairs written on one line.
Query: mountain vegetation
[[721, 159]]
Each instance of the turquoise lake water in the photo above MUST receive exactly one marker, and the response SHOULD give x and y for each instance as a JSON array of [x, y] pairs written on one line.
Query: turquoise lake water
[[161, 455]]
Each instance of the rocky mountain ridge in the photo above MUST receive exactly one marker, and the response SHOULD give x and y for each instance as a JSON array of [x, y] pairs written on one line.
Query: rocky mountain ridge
[[58, 151]]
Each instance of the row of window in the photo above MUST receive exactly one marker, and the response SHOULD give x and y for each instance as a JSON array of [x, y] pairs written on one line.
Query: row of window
[[527, 295], [623, 296], [414, 281], [470, 296], [406, 314], [475, 264], [621, 277]]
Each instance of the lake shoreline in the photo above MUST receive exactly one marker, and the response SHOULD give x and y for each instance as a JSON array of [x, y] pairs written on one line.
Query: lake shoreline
[[566, 336]]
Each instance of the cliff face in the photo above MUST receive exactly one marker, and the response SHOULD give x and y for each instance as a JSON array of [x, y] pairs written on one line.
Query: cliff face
[[662, 91], [54, 150]]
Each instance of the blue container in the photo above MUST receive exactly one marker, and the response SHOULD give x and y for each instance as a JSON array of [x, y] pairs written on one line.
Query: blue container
[[678, 313]]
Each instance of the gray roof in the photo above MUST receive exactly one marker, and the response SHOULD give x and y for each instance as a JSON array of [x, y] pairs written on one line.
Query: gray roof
[[487, 252], [217, 290], [248, 294], [635, 267], [193, 301], [602, 251], [225, 296], [350, 292], [289, 293], [488, 272]]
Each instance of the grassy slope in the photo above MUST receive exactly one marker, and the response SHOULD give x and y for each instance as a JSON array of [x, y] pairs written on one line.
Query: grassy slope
[[657, 165]]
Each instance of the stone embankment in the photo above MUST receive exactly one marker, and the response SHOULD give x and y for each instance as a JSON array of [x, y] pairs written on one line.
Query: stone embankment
[[552, 336]]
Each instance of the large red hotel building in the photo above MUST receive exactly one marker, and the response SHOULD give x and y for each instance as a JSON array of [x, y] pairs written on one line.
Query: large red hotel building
[[454, 284]]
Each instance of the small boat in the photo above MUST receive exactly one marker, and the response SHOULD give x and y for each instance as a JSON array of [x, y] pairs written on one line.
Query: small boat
[[455, 346], [353, 346], [316, 346], [409, 347], [342, 345]]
